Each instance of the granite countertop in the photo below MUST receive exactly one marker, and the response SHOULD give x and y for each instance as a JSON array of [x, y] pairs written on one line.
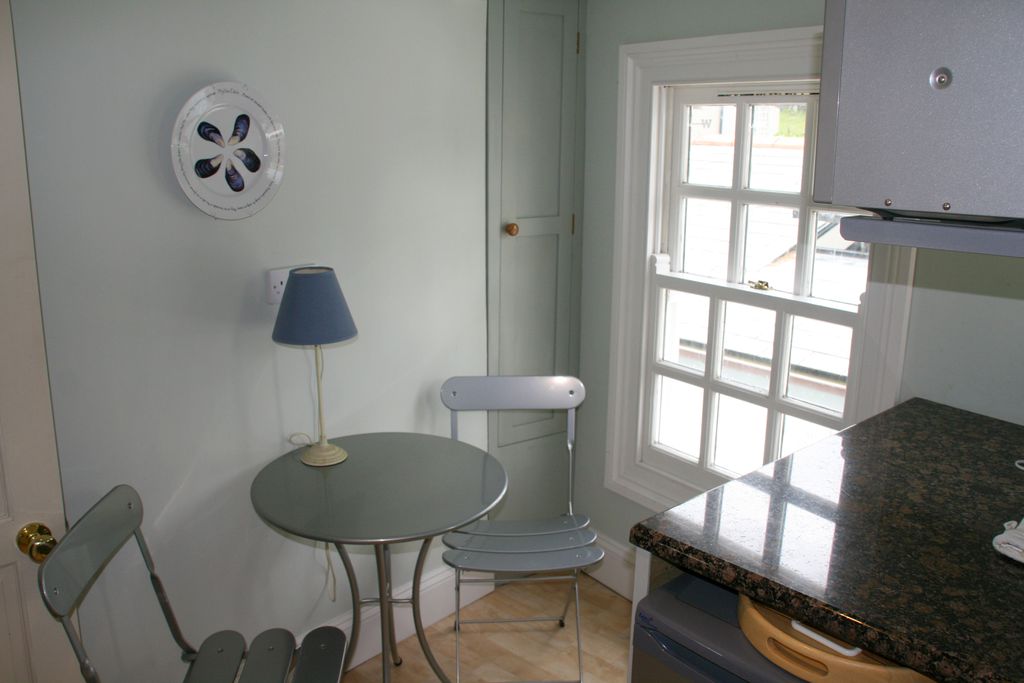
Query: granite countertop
[[880, 535]]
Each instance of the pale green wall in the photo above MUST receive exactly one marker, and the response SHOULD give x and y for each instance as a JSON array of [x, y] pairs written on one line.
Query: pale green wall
[[163, 372], [966, 331], [611, 23]]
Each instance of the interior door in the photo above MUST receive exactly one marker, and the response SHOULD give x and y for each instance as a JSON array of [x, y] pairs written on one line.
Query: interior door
[[533, 235], [33, 648]]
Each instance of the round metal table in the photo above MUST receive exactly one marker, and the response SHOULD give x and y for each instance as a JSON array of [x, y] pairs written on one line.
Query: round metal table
[[394, 487]]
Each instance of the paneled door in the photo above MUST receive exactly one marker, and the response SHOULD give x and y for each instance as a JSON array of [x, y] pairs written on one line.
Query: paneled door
[[533, 232], [32, 645]]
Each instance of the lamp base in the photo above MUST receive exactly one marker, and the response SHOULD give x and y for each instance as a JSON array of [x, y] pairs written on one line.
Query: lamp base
[[321, 456]]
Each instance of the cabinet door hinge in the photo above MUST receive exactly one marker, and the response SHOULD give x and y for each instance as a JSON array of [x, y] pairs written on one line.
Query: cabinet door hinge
[[573, 225], [577, 42]]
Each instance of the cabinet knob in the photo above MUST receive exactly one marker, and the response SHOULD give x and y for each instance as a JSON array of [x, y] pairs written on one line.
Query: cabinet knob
[[512, 229]]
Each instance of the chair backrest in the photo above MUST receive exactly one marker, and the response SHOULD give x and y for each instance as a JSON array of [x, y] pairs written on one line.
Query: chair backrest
[[557, 392], [72, 568], [80, 557]]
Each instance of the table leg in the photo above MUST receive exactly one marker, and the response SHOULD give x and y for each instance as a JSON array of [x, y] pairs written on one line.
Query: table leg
[[417, 617], [384, 589], [387, 620], [357, 605], [395, 657]]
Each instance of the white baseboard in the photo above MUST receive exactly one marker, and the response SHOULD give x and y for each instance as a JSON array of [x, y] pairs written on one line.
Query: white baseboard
[[437, 601], [616, 570]]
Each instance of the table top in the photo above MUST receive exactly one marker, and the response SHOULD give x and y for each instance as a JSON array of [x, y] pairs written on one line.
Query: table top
[[880, 535], [393, 487]]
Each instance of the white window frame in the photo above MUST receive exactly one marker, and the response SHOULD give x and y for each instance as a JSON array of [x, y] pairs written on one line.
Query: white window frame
[[880, 334]]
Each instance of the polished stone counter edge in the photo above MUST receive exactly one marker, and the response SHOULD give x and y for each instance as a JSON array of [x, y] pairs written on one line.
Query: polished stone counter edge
[[920, 431], [820, 615]]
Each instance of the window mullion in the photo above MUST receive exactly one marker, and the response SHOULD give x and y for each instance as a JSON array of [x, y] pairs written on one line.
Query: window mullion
[[804, 250], [707, 435], [781, 352], [654, 302], [741, 161], [806, 238], [716, 329], [773, 436], [676, 136]]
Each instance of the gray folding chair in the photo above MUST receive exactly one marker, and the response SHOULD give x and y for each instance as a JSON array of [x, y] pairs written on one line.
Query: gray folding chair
[[70, 570], [554, 549]]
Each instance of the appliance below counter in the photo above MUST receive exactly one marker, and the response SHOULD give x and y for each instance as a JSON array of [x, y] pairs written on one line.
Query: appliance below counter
[[695, 631], [688, 631]]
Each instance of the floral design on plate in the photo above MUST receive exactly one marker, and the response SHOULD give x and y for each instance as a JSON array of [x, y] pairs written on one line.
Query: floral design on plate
[[228, 151], [205, 168]]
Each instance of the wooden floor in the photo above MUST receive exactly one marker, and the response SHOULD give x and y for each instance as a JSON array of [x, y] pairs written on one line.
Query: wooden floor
[[532, 651]]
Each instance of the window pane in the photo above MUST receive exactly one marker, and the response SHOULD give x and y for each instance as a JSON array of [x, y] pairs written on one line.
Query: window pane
[[712, 139], [685, 338], [771, 245], [706, 237], [777, 147], [797, 434], [840, 266], [678, 411], [819, 363], [739, 436], [747, 346]]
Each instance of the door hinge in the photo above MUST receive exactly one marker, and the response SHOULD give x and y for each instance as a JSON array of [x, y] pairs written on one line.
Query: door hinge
[[573, 229], [577, 42]]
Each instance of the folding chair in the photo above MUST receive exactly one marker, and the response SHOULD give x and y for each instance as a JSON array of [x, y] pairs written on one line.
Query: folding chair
[[70, 570], [554, 549]]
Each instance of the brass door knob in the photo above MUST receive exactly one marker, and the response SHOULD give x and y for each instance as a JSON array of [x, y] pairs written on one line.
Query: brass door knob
[[512, 229], [36, 541]]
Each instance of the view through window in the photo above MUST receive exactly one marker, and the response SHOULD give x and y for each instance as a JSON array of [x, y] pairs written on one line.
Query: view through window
[[754, 294]]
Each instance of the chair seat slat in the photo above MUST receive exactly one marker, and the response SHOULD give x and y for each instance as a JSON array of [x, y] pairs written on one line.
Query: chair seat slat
[[218, 658], [527, 527], [519, 544], [561, 560], [321, 656], [269, 658]]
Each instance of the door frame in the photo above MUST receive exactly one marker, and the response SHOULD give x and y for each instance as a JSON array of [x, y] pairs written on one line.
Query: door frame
[[30, 474]]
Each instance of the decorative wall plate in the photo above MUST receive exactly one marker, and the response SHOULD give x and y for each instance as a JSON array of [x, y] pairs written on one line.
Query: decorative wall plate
[[228, 151]]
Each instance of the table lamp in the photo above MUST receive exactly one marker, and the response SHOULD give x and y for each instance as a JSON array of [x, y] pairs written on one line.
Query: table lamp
[[313, 313]]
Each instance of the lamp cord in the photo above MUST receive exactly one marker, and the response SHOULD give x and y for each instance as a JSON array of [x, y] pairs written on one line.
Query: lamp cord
[[330, 580], [300, 439]]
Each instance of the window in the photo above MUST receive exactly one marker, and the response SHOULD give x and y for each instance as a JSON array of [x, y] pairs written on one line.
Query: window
[[741, 313], [754, 293]]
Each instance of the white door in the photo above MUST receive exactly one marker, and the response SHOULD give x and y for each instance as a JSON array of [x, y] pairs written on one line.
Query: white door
[[533, 236], [33, 648]]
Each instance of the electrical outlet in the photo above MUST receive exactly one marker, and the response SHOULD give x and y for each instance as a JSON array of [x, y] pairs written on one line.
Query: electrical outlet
[[277, 278]]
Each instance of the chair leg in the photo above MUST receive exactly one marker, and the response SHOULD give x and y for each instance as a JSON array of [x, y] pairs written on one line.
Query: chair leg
[[458, 625], [579, 639], [568, 600], [573, 596]]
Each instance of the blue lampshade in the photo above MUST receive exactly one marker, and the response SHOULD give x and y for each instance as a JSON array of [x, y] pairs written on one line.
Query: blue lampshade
[[313, 309]]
